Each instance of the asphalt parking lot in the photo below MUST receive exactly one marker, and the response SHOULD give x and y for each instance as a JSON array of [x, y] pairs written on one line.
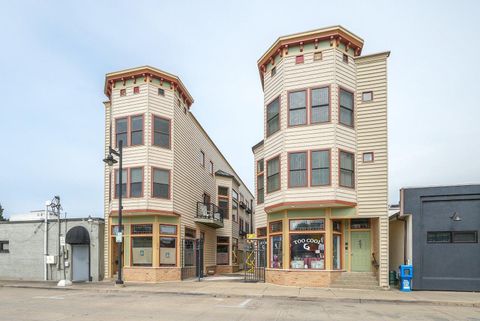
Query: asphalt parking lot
[[50, 304]]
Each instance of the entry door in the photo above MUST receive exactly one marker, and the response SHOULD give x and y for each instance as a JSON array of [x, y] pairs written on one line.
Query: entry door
[[361, 251], [80, 263]]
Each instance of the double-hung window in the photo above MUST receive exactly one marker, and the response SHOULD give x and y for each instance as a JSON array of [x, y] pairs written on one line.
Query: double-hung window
[[320, 167], [136, 182], [161, 183], [122, 185], [273, 117], [136, 132], [347, 172], [161, 132], [320, 105], [346, 108], [260, 182], [273, 175], [121, 129], [297, 108], [297, 163]]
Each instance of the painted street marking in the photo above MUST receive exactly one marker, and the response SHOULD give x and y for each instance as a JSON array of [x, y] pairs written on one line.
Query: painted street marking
[[239, 306]]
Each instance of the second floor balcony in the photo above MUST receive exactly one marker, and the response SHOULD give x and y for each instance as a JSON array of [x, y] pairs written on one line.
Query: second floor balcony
[[209, 214]]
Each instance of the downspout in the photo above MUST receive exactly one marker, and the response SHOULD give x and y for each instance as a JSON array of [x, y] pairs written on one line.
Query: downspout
[[45, 242], [251, 217]]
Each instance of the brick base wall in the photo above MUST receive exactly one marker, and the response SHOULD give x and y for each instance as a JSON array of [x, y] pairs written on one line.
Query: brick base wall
[[308, 278], [223, 269], [152, 274]]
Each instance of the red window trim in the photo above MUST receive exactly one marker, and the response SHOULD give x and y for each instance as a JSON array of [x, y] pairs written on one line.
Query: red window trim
[[306, 106], [311, 167], [340, 88], [306, 168], [279, 173], [136, 90], [279, 116], [300, 59], [153, 131], [127, 194], [169, 182], [329, 86], [130, 181], [130, 118], [339, 169]]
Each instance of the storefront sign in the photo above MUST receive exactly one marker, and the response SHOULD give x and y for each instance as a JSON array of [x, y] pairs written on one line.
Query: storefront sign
[[307, 242]]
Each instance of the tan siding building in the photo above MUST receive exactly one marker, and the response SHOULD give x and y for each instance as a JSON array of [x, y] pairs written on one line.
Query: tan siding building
[[174, 179], [322, 195]]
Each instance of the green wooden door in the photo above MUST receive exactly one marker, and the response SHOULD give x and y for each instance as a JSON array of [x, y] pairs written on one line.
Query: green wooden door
[[361, 251]]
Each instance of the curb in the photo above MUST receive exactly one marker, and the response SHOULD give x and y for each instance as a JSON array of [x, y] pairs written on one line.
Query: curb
[[263, 296]]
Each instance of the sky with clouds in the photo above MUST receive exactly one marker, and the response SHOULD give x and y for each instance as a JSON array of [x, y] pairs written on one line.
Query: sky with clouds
[[55, 54]]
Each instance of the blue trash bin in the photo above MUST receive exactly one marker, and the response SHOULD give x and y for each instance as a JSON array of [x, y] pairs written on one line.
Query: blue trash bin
[[406, 275]]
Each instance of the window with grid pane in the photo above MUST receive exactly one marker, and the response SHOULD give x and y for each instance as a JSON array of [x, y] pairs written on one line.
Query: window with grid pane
[[121, 128], [136, 182], [260, 189], [124, 183], [346, 108], [297, 163], [273, 117], [161, 132], [273, 175], [161, 183], [320, 168], [320, 105], [136, 133], [297, 108], [347, 174]]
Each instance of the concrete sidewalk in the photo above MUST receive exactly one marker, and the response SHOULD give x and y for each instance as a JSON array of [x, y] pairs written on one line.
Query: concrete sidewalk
[[225, 288]]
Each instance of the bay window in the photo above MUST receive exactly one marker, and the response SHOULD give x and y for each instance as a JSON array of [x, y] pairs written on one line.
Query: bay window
[[136, 182], [347, 173], [297, 164], [273, 175], [320, 167], [320, 112], [273, 117], [346, 108], [297, 108], [123, 185], [307, 250], [161, 183], [168, 251], [161, 132], [121, 129], [141, 244], [136, 130]]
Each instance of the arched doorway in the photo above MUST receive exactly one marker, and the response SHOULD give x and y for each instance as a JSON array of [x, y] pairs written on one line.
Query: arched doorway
[[79, 240]]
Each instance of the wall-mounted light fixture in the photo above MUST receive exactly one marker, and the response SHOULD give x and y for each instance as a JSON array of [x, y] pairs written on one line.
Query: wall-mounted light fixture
[[455, 217]]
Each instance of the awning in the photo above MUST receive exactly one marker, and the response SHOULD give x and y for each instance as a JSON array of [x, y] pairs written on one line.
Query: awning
[[78, 235]]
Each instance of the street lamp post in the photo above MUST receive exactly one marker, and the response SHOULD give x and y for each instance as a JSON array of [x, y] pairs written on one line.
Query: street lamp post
[[110, 160]]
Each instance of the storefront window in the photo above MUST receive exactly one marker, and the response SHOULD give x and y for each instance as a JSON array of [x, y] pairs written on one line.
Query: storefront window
[[307, 225], [168, 229], [360, 223], [276, 227], [307, 251], [142, 229], [168, 251], [142, 251], [276, 258]]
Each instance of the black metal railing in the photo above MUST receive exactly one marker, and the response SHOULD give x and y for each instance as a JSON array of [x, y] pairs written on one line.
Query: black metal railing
[[209, 211]]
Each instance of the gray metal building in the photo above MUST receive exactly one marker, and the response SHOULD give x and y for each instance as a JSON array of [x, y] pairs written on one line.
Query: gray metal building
[[79, 248], [441, 227]]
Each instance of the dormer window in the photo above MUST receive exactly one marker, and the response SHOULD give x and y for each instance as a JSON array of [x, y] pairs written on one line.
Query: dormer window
[[273, 72]]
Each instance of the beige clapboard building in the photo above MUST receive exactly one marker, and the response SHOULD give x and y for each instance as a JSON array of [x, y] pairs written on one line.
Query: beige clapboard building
[[321, 168], [177, 186]]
